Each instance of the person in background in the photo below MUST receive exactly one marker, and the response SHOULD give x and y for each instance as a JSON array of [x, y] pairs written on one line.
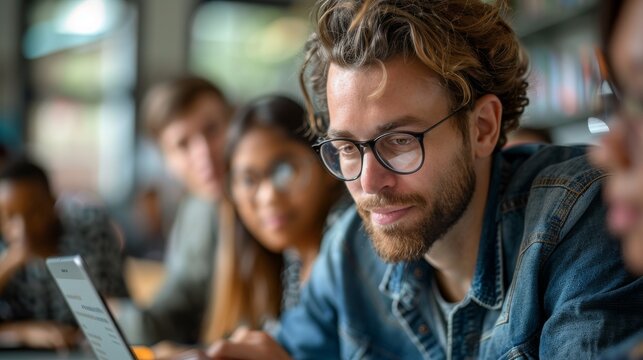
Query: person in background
[[282, 197], [33, 312], [455, 249], [621, 152], [188, 118], [279, 201], [528, 135]]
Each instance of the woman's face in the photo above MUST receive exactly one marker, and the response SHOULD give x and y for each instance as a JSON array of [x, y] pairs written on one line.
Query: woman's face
[[280, 190], [622, 150]]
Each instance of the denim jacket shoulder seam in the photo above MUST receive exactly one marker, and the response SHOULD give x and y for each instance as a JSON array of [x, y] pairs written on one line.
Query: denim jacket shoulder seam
[[570, 198], [589, 176]]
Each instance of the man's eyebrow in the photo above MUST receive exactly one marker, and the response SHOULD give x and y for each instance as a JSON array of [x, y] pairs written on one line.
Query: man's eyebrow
[[386, 127], [335, 134], [402, 122]]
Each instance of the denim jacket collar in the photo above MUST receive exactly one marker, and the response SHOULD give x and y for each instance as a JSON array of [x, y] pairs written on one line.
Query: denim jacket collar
[[487, 289]]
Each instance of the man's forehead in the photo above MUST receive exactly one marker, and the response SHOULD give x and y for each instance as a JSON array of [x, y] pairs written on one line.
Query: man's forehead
[[393, 124], [371, 100], [383, 74]]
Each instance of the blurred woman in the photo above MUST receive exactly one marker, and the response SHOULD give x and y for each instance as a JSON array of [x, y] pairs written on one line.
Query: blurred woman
[[280, 197], [621, 152]]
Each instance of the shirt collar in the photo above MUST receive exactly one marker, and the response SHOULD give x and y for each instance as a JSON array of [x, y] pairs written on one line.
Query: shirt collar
[[487, 285]]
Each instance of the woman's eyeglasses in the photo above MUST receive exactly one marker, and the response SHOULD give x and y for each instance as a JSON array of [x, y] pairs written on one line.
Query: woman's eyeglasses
[[284, 176]]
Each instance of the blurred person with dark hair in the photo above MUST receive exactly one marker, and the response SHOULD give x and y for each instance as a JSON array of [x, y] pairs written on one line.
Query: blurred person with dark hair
[[33, 312], [621, 152], [528, 135], [456, 249], [188, 118]]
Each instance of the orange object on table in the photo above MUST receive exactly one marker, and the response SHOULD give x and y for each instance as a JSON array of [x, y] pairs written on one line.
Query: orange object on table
[[143, 352]]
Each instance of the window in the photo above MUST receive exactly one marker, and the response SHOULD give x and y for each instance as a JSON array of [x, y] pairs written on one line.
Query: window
[[80, 110], [249, 49]]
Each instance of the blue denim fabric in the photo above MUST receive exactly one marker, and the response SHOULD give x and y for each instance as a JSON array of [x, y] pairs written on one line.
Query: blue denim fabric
[[549, 281]]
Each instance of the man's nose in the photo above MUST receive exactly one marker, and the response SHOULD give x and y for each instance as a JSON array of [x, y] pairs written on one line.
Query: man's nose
[[375, 177]]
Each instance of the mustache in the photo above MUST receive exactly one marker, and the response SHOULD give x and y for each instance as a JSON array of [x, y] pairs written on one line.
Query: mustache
[[389, 199]]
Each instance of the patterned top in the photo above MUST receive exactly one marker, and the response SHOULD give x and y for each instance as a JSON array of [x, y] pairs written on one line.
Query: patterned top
[[291, 275], [290, 280], [32, 293]]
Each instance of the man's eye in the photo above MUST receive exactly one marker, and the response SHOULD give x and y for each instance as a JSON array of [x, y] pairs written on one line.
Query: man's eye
[[347, 149], [400, 140]]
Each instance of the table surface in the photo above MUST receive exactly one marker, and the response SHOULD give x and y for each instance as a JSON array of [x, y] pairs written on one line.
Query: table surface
[[45, 355]]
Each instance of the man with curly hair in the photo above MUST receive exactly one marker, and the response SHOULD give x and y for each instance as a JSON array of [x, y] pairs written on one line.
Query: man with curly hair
[[455, 249]]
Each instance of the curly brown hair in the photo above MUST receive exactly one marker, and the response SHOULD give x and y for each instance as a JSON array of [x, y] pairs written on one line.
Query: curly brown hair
[[466, 43]]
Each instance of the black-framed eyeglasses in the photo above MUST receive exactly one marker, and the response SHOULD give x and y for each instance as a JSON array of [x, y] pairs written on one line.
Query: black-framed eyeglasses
[[401, 152]]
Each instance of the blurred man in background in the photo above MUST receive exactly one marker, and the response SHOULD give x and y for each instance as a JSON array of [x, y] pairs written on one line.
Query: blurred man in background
[[33, 312], [187, 117]]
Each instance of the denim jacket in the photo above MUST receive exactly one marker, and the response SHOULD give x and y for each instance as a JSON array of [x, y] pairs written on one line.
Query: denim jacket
[[549, 280]]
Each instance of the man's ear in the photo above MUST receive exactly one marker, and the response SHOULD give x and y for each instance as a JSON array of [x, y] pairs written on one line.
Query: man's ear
[[485, 125]]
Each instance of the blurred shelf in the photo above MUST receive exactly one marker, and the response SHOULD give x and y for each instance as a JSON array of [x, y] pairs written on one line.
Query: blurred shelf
[[551, 20], [559, 36], [544, 122]]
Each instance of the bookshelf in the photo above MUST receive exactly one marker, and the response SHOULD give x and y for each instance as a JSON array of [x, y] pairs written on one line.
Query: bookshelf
[[560, 37]]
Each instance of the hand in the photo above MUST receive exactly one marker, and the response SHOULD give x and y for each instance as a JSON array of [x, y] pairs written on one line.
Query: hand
[[193, 354], [168, 349], [248, 344], [42, 334]]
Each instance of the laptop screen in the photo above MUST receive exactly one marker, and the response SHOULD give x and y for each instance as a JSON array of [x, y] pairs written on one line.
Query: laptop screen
[[95, 320]]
